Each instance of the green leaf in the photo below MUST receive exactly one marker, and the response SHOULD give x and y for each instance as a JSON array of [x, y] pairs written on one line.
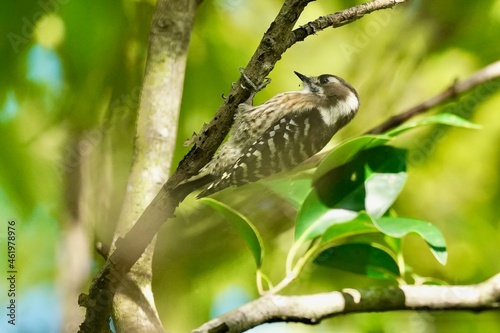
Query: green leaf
[[315, 217], [340, 194], [360, 258], [362, 224], [399, 227], [245, 228], [380, 170], [441, 118], [295, 190], [346, 151], [382, 189]]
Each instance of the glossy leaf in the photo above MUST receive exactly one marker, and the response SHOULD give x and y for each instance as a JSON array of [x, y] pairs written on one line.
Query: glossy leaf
[[315, 217], [245, 228], [399, 227], [346, 151], [294, 190], [339, 194], [382, 189], [441, 118], [362, 224], [380, 170], [360, 258]]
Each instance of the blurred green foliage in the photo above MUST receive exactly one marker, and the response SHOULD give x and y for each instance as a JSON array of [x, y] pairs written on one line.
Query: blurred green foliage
[[71, 73]]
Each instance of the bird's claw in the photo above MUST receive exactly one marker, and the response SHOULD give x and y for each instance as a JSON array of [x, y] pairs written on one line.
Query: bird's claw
[[254, 89]]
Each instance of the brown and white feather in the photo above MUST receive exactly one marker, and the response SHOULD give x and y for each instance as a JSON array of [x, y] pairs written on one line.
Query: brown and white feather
[[281, 133]]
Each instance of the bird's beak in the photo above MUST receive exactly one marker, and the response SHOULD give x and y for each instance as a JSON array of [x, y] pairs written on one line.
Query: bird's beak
[[305, 79], [302, 77]]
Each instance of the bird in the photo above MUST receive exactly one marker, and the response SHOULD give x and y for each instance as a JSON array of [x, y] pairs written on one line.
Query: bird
[[278, 134]]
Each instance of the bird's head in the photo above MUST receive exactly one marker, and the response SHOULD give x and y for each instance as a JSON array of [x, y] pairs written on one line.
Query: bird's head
[[335, 98]]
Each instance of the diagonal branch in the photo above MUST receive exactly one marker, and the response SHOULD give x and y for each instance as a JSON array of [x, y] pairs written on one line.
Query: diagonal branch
[[268, 52], [312, 309], [483, 75]]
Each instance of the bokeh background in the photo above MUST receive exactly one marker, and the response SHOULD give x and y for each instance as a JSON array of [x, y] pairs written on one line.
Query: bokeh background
[[71, 72]]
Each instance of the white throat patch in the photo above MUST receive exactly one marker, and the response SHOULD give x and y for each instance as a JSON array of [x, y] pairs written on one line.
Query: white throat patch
[[341, 109]]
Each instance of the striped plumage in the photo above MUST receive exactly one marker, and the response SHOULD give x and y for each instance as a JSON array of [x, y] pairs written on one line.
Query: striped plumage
[[280, 133]]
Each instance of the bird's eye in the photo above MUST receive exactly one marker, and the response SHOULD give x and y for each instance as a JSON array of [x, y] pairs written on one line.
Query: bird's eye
[[324, 80]]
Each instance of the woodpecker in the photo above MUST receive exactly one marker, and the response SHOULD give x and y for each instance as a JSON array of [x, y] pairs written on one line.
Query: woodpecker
[[279, 134]]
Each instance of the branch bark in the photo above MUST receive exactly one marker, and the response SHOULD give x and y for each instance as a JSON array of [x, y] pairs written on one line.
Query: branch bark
[[483, 75], [277, 39], [312, 309]]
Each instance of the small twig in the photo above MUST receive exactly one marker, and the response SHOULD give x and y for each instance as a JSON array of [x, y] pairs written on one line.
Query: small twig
[[341, 18], [312, 309], [102, 249]]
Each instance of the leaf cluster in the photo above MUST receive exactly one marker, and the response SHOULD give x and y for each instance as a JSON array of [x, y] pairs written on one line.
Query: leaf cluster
[[344, 217]]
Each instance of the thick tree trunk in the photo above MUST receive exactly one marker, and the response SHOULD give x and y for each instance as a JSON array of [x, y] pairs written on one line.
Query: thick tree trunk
[[134, 309]]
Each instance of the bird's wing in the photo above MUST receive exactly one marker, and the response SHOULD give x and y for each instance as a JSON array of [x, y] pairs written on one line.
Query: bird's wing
[[288, 142]]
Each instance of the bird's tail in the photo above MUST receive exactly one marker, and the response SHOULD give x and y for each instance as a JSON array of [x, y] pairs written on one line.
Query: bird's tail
[[217, 184], [184, 189]]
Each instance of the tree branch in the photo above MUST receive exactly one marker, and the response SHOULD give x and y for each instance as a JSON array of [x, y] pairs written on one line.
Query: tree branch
[[483, 75], [341, 18], [312, 309], [277, 39]]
